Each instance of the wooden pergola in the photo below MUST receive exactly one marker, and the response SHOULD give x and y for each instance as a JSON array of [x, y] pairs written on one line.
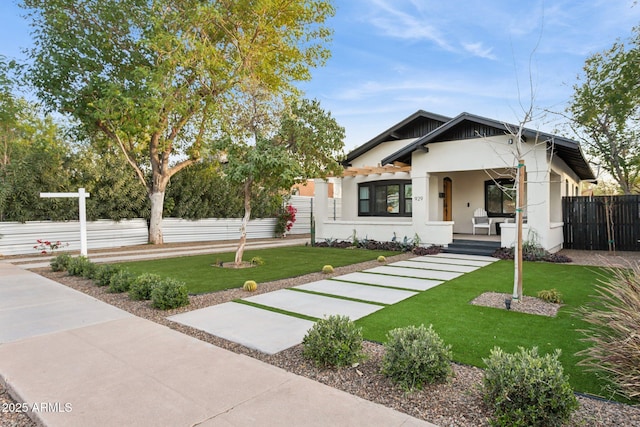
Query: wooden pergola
[[376, 170]]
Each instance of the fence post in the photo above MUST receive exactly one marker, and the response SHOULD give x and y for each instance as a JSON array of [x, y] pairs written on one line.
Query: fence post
[[313, 226]]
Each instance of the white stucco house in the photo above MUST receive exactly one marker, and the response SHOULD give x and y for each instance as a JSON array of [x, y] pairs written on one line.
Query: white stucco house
[[428, 174]]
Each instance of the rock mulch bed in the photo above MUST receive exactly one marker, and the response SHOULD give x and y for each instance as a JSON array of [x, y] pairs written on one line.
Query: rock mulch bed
[[455, 403], [530, 305]]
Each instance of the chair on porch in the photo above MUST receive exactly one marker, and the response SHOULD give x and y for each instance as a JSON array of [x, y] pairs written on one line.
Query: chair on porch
[[481, 220]]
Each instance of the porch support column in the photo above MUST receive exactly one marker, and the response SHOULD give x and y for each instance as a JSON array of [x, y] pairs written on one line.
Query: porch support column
[[420, 204], [538, 206], [320, 206]]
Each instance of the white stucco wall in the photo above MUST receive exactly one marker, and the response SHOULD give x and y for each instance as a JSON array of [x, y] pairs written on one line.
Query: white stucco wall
[[468, 163], [375, 155]]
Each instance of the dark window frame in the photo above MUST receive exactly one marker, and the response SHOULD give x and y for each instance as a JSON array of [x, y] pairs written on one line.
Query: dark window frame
[[498, 182], [373, 187]]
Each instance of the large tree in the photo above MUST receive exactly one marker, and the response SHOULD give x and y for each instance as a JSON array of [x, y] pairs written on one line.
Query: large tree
[[307, 143], [604, 110], [159, 77]]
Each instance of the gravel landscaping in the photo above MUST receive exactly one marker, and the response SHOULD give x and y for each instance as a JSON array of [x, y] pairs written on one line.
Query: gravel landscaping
[[456, 403]]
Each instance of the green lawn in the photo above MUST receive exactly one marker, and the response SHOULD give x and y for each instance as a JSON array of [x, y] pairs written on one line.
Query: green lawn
[[201, 277], [473, 330]]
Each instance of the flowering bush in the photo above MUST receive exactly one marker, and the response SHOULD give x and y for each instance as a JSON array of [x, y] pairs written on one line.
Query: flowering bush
[[285, 220], [46, 247]]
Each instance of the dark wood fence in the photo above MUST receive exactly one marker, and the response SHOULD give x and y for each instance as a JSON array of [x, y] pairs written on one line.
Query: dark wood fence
[[585, 222]]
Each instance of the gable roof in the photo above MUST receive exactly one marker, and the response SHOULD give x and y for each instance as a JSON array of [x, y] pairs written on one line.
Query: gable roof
[[414, 126], [567, 149]]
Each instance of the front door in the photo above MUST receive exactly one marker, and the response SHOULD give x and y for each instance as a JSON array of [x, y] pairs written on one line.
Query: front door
[[447, 208]]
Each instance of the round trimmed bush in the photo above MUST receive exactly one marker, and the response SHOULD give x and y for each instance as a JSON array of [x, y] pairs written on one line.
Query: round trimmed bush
[[526, 389], [250, 286], [381, 258], [327, 269], [121, 281], [415, 355], [169, 293], [103, 274], [81, 266], [60, 262], [333, 341], [140, 288]]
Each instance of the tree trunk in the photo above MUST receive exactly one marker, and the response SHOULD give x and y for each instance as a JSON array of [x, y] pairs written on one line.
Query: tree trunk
[[155, 221], [245, 222], [517, 255]]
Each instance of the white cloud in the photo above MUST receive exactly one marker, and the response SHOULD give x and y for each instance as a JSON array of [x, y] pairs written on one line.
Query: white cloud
[[477, 49]]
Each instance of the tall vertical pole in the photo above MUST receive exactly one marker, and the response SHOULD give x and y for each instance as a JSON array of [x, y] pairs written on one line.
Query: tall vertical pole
[[517, 256], [82, 208]]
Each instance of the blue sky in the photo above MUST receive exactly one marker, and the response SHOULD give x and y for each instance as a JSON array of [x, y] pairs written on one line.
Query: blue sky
[[393, 57]]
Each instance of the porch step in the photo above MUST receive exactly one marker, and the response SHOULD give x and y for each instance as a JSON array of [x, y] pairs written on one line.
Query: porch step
[[472, 247]]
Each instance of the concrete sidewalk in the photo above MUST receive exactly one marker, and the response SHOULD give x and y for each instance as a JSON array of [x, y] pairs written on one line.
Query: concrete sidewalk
[[81, 362]]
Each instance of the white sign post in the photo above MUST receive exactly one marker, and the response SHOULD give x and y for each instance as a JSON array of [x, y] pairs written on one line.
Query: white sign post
[[82, 208]]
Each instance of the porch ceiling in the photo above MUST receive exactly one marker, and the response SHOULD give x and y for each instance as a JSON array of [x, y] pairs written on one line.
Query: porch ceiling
[[373, 170]]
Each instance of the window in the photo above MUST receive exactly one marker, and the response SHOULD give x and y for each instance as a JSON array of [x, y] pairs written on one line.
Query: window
[[500, 197], [385, 198]]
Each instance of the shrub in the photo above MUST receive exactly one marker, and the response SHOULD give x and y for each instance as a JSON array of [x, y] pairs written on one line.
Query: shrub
[[141, 286], [613, 331], [531, 254], [551, 295], [525, 389], [250, 286], [121, 281], [415, 355], [169, 293], [60, 262], [327, 269], [103, 274], [80, 266], [333, 341], [431, 250], [381, 258], [256, 260]]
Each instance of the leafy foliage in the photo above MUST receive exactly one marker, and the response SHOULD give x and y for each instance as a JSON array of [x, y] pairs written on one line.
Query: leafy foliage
[[416, 355], [333, 341], [141, 286], [60, 262], [605, 110], [614, 319], [80, 266], [159, 79], [168, 294], [529, 254], [121, 281], [104, 273], [526, 389]]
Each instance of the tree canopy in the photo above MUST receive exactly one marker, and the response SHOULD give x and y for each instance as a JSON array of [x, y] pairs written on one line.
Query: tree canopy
[[160, 78], [605, 107]]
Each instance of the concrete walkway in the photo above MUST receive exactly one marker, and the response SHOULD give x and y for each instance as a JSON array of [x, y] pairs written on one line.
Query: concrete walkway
[[80, 362], [354, 295]]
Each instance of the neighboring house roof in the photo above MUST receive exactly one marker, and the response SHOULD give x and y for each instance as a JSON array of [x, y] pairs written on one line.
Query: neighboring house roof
[[469, 126], [416, 125]]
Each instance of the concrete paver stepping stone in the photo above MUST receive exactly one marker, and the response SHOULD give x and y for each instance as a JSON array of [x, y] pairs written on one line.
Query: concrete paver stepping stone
[[414, 272], [390, 281], [252, 327], [435, 266], [465, 256], [456, 261], [362, 292], [313, 305]]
